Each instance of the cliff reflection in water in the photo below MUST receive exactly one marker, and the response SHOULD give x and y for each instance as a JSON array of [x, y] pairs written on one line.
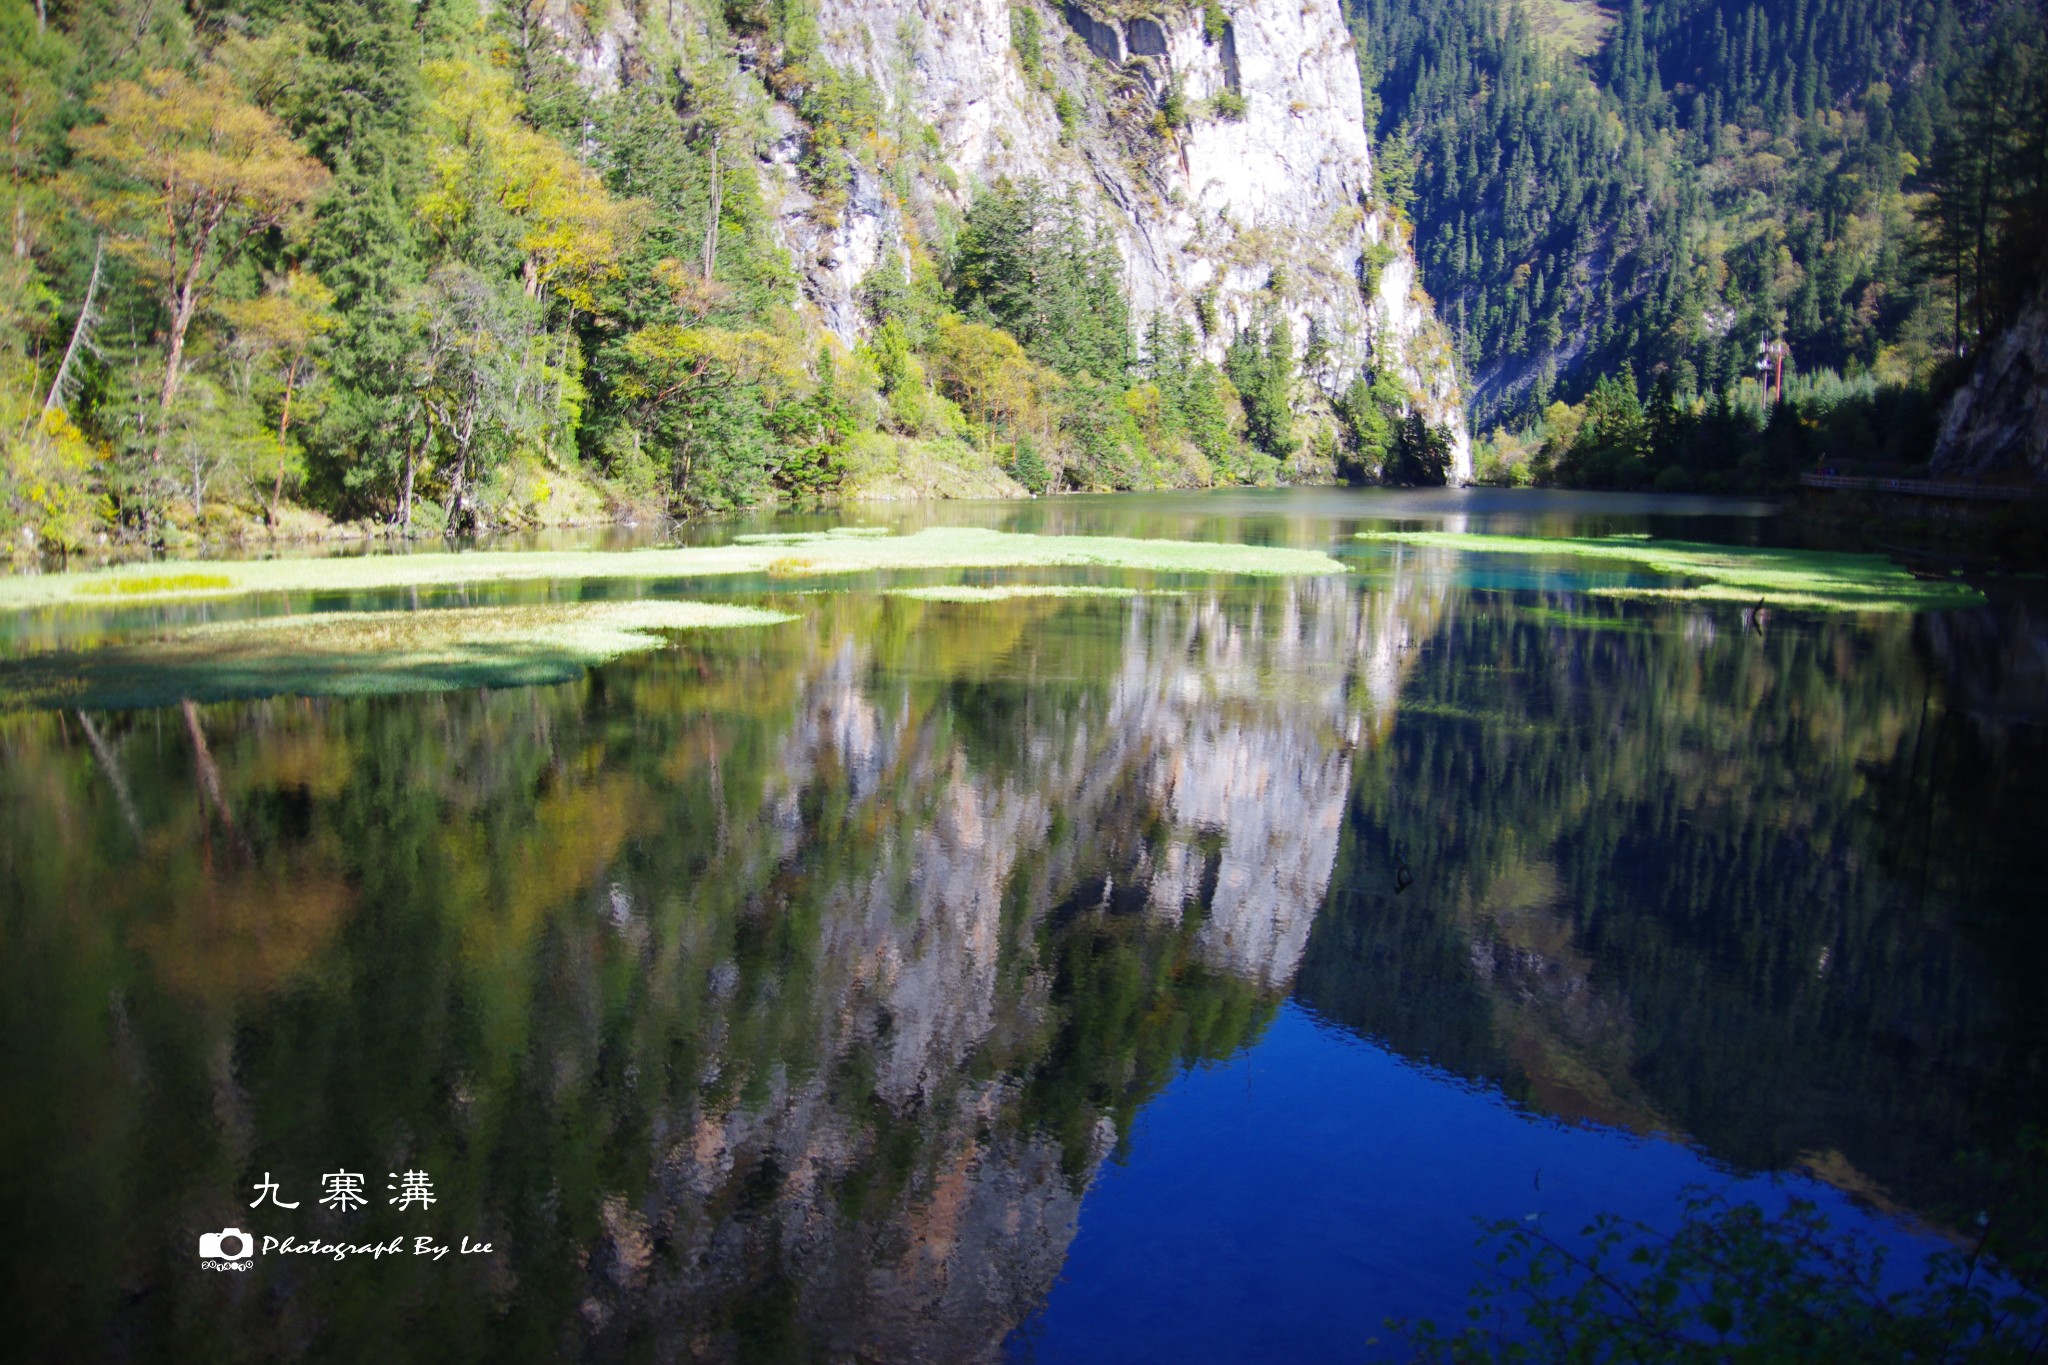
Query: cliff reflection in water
[[775, 995], [778, 996]]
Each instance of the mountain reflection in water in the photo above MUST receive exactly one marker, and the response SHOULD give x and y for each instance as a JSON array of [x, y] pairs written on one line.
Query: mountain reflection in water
[[782, 995]]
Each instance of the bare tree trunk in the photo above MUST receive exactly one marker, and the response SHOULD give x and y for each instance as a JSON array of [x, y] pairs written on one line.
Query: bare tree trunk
[[405, 494], [81, 331], [184, 304], [181, 322], [284, 424], [717, 206], [458, 488], [291, 382]]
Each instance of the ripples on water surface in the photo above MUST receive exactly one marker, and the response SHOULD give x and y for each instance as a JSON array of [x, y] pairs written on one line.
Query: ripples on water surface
[[1174, 977]]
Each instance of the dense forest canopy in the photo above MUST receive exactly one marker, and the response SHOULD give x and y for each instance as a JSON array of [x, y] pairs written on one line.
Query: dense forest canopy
[[407, 263], [1638, 201]]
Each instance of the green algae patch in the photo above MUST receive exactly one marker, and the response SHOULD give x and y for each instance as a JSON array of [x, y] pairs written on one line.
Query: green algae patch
[[1013, 591], [361, 653], [1820, 580], [812, 554], [156, 585]]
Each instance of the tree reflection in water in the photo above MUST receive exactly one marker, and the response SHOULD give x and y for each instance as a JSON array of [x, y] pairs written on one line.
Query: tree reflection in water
[[780, 995]]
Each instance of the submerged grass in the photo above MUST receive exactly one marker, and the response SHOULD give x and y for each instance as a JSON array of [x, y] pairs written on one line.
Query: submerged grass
[[1818, 579], [362, 653], [810, 537], [1575, 620], [858, 550], [1011, 591]]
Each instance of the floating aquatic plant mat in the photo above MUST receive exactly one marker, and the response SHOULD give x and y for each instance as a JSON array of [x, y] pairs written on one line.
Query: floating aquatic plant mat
[[362, 652], [1818, 579], [851, 550]]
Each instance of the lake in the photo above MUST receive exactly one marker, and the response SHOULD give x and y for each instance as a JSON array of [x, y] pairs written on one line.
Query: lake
[[1184, 975]]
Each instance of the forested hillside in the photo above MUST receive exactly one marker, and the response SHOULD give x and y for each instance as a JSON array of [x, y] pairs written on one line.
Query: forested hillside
[[444, 264], [1639, 199]]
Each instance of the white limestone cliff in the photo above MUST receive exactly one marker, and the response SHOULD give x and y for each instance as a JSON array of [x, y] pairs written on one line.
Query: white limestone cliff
[[1210, 219], [1228, 218]]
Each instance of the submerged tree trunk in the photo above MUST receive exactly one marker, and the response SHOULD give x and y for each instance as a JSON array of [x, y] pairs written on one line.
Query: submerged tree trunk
[[209, 772], [112, 767]]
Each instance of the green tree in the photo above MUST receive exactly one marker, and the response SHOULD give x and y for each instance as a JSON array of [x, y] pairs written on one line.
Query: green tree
[[1034, 266], [1611, 448], [192, 172], [465, 375], [815, 431], [1263, 373], [1367, 412], [276, 343], [1420, 455], [694, 398]]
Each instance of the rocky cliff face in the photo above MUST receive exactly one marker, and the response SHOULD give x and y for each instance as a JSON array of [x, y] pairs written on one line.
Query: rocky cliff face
[[1997, 426], [1259, 204], [1224, 218]]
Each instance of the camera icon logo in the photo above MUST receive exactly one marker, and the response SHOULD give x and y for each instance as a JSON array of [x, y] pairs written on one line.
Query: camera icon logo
[[230, 1245]]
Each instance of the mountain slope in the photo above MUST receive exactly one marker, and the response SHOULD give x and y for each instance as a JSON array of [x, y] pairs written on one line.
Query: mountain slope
[[1226, 217], [1717, 173], [471, 264], [1223, 150]]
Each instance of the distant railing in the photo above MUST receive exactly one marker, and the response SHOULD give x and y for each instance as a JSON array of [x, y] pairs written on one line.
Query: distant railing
[[1925, 488]]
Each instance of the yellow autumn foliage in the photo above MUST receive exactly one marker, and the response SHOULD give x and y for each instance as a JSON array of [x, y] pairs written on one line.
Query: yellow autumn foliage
[[47, 498], [482, 159]]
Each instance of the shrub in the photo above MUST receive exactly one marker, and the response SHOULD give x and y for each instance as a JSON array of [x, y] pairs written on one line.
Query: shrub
[[1068, 110], [1027, 467]]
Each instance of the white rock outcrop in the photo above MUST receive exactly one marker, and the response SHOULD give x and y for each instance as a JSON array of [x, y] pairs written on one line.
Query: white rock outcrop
[[1212, 217], [1261, 202]]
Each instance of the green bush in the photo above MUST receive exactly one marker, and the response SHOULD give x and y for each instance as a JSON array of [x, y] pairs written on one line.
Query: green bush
[[1027, 467], [1068, 110], [1025, 37]]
